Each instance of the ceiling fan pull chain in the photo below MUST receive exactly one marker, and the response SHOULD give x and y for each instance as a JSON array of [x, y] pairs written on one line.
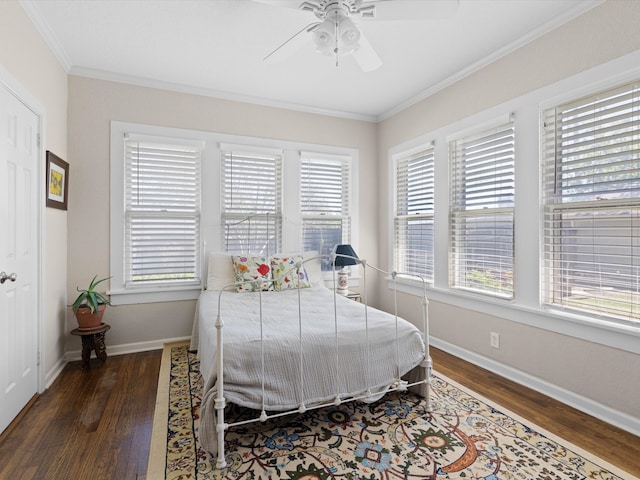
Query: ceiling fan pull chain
[[308, 28], [336, 35]]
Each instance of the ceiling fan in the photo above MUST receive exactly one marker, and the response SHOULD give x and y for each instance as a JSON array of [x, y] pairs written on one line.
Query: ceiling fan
[[335, 33]]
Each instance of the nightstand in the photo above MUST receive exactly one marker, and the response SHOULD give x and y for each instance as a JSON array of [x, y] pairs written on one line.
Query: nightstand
[[352, 295]]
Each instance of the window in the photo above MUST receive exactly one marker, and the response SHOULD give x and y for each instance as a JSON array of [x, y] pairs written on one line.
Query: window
[[177, 195], [591, 175], [251, 200], [161, 212], [324, 203], [414, 213], [482, 211]]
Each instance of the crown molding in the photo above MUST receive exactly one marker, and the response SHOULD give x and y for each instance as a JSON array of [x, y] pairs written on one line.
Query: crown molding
[[46, 32], [32, 11], [504, 51], [207, 92]]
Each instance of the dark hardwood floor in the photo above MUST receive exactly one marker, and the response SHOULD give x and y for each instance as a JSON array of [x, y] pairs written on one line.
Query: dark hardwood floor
[[93, 424], [96, 424]]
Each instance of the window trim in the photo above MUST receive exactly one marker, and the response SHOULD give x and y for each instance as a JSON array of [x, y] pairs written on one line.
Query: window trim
[[346, 200], [395, 159], [526, 309], [458, 212], [588, 202], [134, 211], [274, 159], [119, 293], [210, 200]]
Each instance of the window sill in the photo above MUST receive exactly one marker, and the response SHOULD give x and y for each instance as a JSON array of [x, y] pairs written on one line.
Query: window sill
[[590, 329], [132, 297]]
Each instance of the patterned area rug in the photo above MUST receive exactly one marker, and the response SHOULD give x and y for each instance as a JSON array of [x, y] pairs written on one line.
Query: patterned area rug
[[395, 438]]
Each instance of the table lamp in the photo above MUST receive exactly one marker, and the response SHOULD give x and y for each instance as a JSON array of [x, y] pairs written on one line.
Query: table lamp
[[344, 256]]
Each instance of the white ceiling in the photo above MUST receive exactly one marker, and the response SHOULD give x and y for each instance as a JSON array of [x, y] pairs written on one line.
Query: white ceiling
[[216, 47]]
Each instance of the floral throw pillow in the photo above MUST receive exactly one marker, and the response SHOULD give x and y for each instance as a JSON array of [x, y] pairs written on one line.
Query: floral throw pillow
[[284, 273], [254, 272]]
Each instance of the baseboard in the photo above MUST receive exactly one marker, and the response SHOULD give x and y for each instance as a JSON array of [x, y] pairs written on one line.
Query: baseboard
[[52, 374], [586, 405], [112, 350]]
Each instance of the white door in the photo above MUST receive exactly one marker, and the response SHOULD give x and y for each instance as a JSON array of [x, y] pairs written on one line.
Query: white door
[[19, 256]]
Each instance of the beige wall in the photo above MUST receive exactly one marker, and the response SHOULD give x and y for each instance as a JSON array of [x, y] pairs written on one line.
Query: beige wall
[[93, 104], [597, 373], [24, 54]]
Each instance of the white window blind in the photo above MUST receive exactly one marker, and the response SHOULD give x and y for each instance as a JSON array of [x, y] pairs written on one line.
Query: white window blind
[[324, 203], [482, 211], [162, 212], [414, 213], [591, 180], [252, 201]]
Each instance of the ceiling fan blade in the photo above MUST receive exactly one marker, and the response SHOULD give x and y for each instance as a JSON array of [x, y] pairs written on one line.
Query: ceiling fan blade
[[291, 45], [366, 56], [282, 3], [410, 9]]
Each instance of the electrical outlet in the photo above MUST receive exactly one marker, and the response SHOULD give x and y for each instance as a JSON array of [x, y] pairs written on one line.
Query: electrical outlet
[[495, 340]]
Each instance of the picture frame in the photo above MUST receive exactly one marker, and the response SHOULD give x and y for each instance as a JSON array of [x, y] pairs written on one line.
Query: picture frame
[[57, 182]]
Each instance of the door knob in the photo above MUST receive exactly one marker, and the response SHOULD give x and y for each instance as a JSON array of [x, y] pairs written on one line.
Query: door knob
[[4, 277]]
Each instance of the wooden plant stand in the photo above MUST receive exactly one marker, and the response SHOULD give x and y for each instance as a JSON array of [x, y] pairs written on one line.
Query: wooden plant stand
[[92, 340]]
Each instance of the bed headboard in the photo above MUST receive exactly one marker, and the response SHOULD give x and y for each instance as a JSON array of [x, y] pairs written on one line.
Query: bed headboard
[[252, 234]]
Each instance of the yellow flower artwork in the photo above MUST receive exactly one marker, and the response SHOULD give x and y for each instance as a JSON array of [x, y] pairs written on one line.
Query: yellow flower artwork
[[55, 183]]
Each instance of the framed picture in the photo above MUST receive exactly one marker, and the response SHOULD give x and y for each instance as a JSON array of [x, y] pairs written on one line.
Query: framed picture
[[57, 181]]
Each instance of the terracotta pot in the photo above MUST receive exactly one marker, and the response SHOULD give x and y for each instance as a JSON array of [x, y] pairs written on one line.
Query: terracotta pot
[[88, 320]]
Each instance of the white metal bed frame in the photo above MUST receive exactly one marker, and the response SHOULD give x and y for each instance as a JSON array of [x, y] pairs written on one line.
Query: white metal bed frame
[[398, 385]]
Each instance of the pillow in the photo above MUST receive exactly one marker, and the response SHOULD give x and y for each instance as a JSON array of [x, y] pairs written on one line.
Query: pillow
[[313, 266], [220, 271], [284, 273], [249, 269]]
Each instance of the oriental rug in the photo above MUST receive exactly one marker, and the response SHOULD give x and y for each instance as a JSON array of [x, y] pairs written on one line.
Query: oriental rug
[[463, 437]]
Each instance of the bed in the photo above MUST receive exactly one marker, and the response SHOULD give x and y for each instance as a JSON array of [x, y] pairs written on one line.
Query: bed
[[283, 342]]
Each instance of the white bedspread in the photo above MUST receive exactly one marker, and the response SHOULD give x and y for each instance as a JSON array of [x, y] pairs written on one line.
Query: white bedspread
[[348, 366]]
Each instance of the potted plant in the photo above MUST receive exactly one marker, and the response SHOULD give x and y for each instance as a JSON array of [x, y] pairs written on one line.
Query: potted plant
[[89, 306]]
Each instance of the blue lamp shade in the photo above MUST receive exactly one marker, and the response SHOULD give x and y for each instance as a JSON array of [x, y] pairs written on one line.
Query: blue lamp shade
[[346, 261]]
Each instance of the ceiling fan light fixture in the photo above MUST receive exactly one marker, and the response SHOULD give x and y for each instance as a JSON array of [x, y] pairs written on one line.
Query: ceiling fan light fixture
[[324, 37], [349, 36], [335, 34]]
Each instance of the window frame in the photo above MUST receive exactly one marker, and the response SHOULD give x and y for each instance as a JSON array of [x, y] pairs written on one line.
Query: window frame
[[178, 207], [563, 197], [471, 202], [120, 292], [211, 207], [423, 150], [526, 308], [345, 215], [270, 158]]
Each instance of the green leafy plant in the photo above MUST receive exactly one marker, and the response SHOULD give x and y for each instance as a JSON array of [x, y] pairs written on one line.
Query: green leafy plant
[[89, 297]]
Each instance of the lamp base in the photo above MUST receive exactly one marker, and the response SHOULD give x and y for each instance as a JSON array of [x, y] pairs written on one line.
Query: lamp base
[[343, 282]]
